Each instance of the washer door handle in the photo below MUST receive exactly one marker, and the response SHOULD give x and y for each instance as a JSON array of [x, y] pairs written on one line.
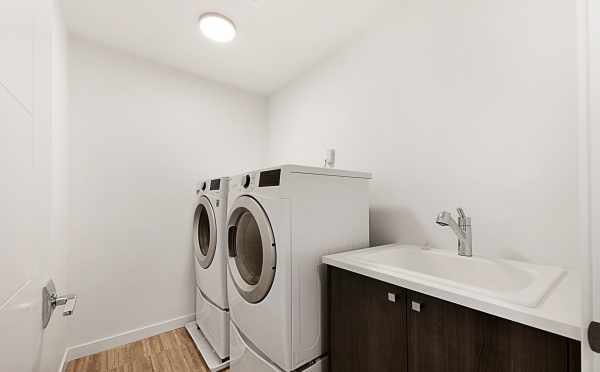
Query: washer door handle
[[231, 233]]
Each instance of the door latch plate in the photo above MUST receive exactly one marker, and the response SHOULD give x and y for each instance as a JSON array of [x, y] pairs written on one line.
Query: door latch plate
[[48, 295], [50, 300]]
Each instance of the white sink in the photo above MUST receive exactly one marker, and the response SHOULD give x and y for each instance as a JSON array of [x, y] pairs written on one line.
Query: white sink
[[512, 281]]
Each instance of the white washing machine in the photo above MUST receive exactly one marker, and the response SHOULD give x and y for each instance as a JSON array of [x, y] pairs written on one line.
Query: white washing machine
[[281, 221], [209, 238]]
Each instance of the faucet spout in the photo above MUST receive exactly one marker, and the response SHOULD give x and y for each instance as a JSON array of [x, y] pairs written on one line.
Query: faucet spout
[[445, 219], [462, 229]]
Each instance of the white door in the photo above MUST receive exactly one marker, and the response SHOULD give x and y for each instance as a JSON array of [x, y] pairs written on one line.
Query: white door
[[589, 33], [29, 249]]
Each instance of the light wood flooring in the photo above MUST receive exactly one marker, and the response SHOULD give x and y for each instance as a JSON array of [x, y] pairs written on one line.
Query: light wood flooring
[[172, 351]]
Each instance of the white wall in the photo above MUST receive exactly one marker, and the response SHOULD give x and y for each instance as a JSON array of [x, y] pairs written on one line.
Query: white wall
[[141, 136], [450, 104]]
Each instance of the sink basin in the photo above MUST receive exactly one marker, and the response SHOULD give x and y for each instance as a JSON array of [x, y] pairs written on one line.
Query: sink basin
[[512, 281]]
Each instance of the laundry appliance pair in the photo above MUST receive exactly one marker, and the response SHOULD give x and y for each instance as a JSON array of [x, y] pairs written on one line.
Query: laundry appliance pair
[[279, 223]]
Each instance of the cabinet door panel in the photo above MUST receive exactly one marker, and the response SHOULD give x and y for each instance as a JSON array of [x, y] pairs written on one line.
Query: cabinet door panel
[[445, 337], [368, 329], [535, 350], [574, 356], [438, 334]]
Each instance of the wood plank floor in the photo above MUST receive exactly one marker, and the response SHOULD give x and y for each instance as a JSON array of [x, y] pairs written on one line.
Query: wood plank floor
[[172, 351]]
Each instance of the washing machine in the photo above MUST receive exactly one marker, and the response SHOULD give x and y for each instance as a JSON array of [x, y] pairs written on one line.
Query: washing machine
[[281, 221], [209, 239]]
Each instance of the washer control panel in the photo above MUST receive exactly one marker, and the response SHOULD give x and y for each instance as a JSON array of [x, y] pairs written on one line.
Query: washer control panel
[[246, 181], [270, 178], [253, 181], [214, 186], [201, 187], [249, 181]]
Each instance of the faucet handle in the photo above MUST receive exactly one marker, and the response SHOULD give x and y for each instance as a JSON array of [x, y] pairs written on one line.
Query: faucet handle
[[461, 213]]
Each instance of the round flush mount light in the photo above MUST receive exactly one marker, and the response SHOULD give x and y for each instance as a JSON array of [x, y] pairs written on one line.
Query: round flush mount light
[[217, 27]]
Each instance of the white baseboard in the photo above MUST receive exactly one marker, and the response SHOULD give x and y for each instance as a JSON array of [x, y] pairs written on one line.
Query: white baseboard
[[93, 347], [64, 361]]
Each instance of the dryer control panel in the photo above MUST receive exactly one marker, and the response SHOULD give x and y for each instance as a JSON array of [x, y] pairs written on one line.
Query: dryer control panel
[[201, 187], [249, 181], [253, 181], [213, 186], [269, 178]]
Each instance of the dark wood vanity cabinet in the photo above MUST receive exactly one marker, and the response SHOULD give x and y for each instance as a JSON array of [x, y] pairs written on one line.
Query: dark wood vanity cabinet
[[418, 333], [444, 336], [367, 323]]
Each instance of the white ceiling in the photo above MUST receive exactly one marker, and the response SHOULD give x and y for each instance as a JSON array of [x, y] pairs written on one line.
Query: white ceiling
[[277, 39]]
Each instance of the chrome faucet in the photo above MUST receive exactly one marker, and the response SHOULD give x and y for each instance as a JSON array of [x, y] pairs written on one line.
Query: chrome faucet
[[462, 229]]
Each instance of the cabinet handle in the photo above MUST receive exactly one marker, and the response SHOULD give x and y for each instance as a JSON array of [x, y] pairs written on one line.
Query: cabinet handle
[[391, 297], [416, 306]]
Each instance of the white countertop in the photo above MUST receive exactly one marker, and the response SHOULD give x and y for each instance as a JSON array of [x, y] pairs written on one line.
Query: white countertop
[[559, 312]]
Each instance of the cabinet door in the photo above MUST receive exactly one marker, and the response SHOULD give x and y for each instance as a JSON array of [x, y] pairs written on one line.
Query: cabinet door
[[445, 337], [439, 335], [367, 323]]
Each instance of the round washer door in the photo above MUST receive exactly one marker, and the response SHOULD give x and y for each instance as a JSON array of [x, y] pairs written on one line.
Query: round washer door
[[251, 246], [205, 232]]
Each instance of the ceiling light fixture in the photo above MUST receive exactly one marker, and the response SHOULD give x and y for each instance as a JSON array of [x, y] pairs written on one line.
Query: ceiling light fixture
[[217, 27]]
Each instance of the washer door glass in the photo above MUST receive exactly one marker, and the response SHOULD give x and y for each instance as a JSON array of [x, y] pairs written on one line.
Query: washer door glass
[[205, 232], [252, 253]]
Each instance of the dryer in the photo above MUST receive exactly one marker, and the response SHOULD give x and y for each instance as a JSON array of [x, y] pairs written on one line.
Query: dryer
[[209, 240], [281, 221]]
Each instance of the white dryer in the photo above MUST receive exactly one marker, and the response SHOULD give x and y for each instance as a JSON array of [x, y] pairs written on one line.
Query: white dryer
[[281, 221], [209, 239]]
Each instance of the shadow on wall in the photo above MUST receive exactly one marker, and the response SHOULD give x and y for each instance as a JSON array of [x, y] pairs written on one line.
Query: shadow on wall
[[395, 225]]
